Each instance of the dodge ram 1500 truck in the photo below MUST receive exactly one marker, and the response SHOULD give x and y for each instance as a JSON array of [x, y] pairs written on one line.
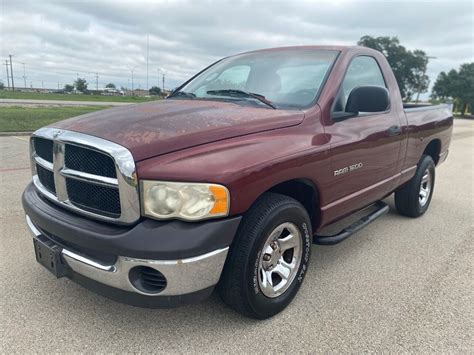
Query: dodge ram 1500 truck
[[229, 181]]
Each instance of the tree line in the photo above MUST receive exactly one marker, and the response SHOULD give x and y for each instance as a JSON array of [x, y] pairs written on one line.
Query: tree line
[[409, 68], [80, 85]]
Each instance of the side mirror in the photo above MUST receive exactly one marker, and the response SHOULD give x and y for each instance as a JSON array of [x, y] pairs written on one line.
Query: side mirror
[[368, 99]]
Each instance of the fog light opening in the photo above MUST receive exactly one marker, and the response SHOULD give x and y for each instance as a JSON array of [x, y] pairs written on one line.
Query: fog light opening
[[147, 279]]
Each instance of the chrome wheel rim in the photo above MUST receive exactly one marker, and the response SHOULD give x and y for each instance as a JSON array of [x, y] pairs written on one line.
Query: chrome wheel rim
[[280, 260], [425, 188]]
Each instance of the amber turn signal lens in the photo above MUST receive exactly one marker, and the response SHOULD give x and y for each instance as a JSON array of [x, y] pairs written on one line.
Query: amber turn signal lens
[[221, 202]]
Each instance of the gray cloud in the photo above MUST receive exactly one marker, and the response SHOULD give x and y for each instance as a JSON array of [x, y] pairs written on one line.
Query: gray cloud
[[59, 39]]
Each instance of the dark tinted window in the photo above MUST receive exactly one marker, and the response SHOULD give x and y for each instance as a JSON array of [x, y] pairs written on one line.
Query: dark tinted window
[[362, 71]]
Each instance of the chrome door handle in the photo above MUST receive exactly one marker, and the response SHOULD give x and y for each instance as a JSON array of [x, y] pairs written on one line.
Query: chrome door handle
[[394, 131]]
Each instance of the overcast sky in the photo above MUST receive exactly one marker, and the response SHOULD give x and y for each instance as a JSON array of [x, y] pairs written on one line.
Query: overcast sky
[[58, 40]]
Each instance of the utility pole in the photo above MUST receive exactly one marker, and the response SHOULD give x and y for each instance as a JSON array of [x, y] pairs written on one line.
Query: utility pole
[[24, 74], [163, 84], [11, 71], [97, 83], [132, 70], [147, 51], [8, 75]]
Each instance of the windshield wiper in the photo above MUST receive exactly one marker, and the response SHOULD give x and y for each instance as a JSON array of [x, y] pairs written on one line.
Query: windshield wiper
[[183, 93], [241, 93]]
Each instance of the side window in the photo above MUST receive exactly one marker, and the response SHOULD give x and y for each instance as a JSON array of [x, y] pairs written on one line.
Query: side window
[[362, 71]]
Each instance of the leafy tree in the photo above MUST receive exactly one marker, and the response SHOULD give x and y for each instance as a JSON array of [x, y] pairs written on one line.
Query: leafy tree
[[155, 90], [2, 85], [458, 85], [110, 86], [81, 84], [68, 87], [409, 67]]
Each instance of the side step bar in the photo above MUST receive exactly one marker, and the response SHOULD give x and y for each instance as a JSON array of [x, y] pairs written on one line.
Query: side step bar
[[382, 208]]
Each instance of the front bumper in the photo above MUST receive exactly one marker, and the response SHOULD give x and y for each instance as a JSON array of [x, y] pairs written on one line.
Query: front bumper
[[92, 260]]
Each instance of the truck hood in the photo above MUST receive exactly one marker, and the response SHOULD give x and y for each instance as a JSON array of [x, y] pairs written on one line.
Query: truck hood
[[160, 127]]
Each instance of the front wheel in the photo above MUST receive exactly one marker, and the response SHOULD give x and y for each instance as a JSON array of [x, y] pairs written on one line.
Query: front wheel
[[269, 258]]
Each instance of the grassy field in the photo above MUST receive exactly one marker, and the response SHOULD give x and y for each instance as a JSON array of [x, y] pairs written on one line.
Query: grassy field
[[4, 94], [21, 119]]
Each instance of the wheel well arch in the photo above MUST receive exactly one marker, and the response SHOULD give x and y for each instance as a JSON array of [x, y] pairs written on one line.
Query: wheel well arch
[[306, 193], [433, 149]]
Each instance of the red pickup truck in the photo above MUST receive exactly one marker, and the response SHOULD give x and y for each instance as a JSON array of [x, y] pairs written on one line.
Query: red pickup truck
[[228, 182]]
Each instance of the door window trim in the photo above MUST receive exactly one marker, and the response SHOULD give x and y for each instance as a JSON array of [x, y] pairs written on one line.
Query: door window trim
[[342, 81]]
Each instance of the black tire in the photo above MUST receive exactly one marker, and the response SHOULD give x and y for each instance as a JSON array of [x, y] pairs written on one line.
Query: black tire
[[239, 285], [407, 197]]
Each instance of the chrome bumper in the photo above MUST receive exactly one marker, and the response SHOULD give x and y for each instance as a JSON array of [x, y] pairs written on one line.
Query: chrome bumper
[[183, 275]]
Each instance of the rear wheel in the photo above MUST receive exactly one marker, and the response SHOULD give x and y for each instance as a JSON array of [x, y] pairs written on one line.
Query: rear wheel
[[269, 258], [413, 198]]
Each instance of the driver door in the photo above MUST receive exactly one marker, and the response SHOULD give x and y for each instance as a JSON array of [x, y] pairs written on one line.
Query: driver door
[[364, 149]]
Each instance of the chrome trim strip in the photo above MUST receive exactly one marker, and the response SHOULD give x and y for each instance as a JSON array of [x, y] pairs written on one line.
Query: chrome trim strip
[[90, 178], [42, 162], [360, 192], [33, 230], [126, 180], [82, 259], [183, 276], [45, 192]]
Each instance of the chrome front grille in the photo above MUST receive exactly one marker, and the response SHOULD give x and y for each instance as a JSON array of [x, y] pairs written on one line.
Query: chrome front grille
[[86, 174]]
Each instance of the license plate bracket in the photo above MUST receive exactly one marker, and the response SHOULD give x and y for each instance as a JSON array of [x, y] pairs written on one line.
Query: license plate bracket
[[48, 254]]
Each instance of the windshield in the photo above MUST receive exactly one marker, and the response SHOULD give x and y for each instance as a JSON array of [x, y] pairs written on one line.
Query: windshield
[[285, 78]]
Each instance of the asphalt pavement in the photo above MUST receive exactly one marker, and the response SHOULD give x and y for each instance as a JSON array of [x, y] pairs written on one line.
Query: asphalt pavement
[[399, 285]]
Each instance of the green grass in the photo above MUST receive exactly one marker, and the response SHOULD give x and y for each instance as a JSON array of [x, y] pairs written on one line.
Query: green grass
[[4, 94], [26, 119]]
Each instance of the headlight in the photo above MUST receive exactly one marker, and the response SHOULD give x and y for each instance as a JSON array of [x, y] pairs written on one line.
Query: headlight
[[187, 201]]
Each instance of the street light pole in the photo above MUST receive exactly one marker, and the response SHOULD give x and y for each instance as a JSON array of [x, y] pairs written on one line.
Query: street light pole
[[24, 75], [132, 70], [8, 74], [147, 52]]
